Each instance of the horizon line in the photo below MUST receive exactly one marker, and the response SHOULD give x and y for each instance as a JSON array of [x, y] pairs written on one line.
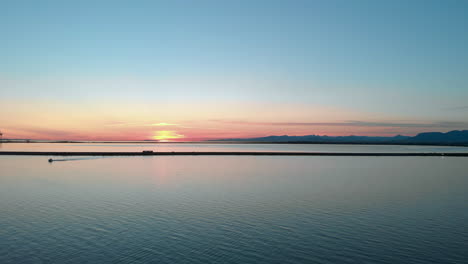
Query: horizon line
[[203, 139]]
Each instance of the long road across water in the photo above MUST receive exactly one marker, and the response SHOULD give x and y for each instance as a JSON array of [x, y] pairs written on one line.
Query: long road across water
[[231, 153]]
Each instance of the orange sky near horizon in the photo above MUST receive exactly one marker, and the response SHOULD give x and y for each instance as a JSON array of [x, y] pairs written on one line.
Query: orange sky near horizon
[[190, 122]]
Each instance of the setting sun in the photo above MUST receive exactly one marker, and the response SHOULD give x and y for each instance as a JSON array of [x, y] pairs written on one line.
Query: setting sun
[[167, 135]]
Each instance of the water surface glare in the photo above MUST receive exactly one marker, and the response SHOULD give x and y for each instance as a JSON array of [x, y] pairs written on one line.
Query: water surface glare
[[208, 209]]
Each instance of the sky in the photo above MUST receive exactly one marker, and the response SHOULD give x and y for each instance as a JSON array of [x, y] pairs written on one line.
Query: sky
[[194, 70]]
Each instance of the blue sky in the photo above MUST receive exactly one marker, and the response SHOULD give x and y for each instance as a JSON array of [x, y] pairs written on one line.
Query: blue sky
[[402, 61]]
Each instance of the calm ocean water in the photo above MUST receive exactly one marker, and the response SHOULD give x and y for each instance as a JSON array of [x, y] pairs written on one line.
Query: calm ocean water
[[174, 209], [137, 147]]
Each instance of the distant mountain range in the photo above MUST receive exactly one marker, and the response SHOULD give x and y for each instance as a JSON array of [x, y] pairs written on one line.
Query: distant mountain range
[[456, 137]]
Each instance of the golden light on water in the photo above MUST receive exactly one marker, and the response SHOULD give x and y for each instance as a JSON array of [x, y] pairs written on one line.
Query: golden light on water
[[167, 135]]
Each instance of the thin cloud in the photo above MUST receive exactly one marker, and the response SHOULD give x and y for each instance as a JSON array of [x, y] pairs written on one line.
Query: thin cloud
[[457, 108], [44, 133], [441, 124], [162, 124], [121, 124]]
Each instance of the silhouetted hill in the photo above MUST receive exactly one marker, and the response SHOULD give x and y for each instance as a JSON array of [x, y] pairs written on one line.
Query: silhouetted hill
[[455, 137], [452, 137], [319, 139]]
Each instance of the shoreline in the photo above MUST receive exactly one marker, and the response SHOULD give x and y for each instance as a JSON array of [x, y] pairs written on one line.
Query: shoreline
[[231, 153]]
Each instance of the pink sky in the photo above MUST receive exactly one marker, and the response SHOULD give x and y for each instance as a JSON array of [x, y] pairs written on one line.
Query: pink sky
[[192, 122]]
